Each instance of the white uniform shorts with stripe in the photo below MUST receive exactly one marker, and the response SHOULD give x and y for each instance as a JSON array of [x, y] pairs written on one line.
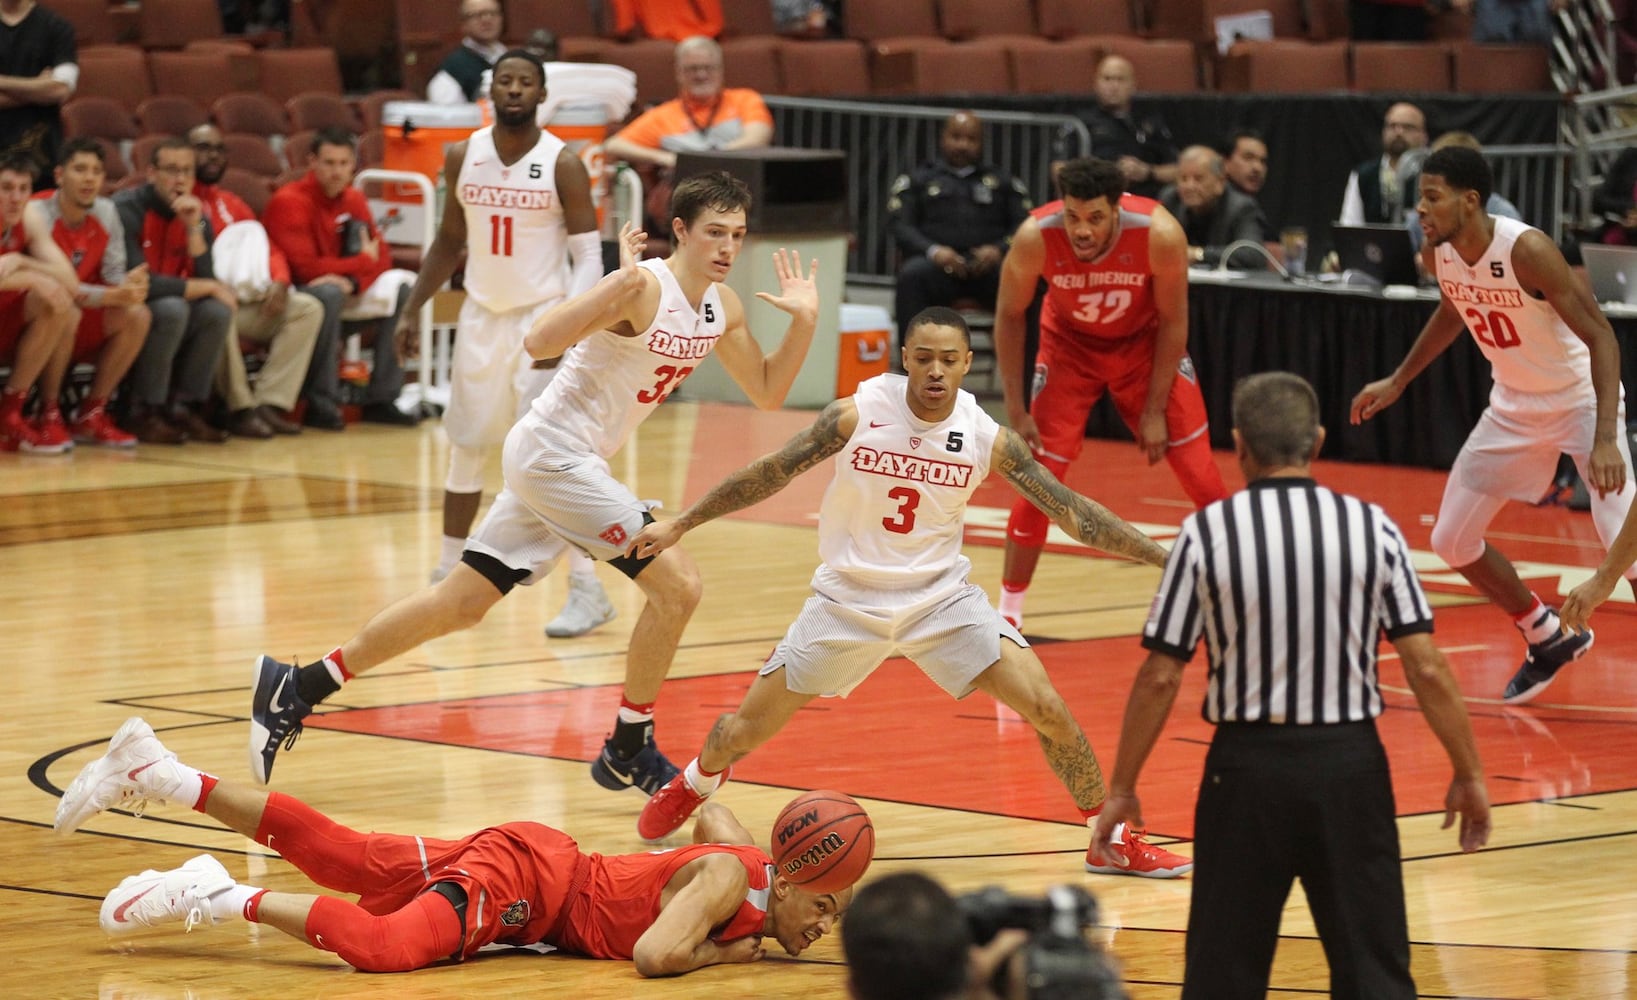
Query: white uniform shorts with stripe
[[1512, 452], [492, 379], [553, 500], [833, 646]]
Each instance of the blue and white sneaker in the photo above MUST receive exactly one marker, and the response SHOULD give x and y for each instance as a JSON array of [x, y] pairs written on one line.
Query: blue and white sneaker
[[276, 712], [1542, 663], [648, 770]]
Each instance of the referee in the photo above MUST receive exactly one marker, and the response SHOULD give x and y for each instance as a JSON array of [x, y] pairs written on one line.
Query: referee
[[1290, 584]]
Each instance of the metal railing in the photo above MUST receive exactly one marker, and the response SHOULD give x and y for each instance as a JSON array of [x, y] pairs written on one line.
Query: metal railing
[[1531, 177], [885, 140]]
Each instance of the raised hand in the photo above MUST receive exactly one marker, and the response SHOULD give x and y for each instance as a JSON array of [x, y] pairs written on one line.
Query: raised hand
[[798, 290]]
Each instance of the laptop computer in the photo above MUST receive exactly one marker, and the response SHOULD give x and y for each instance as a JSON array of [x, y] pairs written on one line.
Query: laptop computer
[[1382, 252], [1613, 272]]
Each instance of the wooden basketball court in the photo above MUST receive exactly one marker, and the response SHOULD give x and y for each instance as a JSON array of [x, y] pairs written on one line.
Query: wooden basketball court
[[147, 583]]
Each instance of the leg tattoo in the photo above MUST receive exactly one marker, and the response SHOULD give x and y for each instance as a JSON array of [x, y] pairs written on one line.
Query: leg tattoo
[[1076, 766]]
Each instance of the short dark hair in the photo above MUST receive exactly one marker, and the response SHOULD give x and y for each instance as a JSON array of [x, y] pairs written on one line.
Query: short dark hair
[[1088, 178], [905, 939], [939, 316], [1277, 416], [714, 189], [1231, 142], [334, 135], [19, 162], [169, 142], [526, 56], [81, 144], [1463, 169]]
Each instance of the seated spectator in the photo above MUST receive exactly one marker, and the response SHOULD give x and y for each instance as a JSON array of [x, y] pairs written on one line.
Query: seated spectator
[[322, 225], [460, 75], [953, 219], [1496, 206], [165, 228], [113, 319], [1615, 200], [1213, 214], [269, 313], [542, 44], [666, 18], [38, 73], [1142, 147], [37, 314], [704, 116], [1245, 163], [1526, 22], [1379, 191]]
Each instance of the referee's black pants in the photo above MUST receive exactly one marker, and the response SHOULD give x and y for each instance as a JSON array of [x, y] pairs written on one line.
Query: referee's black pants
[[1282, 802]]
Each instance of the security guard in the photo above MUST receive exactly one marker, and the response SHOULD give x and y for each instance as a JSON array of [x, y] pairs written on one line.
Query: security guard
[[953, 219]]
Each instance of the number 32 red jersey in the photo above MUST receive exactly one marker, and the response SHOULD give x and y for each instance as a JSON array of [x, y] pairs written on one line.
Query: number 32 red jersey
[[1110, 298]]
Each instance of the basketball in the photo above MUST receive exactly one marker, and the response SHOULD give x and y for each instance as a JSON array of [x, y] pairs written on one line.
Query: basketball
[[823, 841]]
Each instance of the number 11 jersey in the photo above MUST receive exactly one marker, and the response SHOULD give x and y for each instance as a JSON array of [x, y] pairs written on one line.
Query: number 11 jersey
[[516, 236]]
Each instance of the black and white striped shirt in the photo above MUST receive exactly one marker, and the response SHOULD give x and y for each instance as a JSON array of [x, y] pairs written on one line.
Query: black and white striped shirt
[[1291, 585]]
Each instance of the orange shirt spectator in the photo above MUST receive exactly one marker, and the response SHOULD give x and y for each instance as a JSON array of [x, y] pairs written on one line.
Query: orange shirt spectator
[[704, 117], [673, 19]]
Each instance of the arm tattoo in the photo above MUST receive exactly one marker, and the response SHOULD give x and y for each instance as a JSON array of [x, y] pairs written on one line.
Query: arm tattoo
[[1076, 767], [1084, 518], [771, 473]]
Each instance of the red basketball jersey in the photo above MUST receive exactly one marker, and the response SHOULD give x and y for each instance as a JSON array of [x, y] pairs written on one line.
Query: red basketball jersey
[[84, 244], [15, 239], [621, 899], [1110, 298]]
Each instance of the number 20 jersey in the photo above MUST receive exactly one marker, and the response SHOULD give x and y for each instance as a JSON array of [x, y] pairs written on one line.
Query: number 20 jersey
[[608, 384], [1530, 347], [1110, 298], [894, 515]]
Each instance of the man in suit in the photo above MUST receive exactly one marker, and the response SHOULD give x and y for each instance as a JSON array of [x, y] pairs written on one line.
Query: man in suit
[[1212, 213]]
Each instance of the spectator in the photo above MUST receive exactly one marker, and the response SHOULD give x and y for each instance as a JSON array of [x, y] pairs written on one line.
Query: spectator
[[37, 315], [1615, 200], [1245, 162], [1388, 20], [113, 320], [953, 219], [542, 44], [1143, 148], [37, 74], [1213, 214], [1496, 205], [666, 18], [1379, 191], [269, 313], [165, 228], [1516, 21], [322, 225], [459, 77], [702, 117]]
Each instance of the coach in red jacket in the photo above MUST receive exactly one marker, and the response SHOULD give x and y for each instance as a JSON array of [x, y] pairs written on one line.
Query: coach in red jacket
[[323, 225]]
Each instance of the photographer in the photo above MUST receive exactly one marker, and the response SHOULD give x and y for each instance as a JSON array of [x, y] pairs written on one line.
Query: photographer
[[906, 938]]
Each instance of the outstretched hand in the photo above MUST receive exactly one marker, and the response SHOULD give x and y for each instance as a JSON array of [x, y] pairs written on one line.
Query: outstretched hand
[[798, 289], [1374, 398], [633, 242]]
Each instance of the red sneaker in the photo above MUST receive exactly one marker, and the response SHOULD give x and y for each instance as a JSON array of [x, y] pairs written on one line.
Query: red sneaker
[[1132, 854], [17, 434], [669, 808], [96, 427], [51, 434]]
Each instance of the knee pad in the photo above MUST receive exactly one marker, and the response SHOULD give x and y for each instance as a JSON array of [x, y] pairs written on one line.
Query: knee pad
[[465, 469]]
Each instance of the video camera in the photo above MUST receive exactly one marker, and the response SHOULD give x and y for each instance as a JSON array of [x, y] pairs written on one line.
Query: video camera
[[1057, 962]]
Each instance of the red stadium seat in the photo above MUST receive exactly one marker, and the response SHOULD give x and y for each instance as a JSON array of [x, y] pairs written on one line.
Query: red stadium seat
[[753, 62], [288, 72], [564, 17], [872, 22], [962, 20], [1283, 67], [654, 63], [1287, 14], [252, 114], [830, 68], [315, 111], [298, 152], [1162, 65], [170, 114], [199, 75], [92, 25], [254, 188], [981, 67], [1500, 69], [1068, 18], [116, 71], [102, 117], [1066, 67], [253, 153], [369, 107], [747, 18], [1382, 67], [171, 24]]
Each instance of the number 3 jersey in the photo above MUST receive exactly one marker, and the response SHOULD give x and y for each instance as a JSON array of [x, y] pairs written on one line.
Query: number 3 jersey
[[1530, 347], [893, 517], [1110, 298], [516, 236], [608, 384]]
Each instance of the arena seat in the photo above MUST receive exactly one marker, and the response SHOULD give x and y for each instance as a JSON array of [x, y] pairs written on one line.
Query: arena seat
[[254, 188], [1162, 65], [92, 25], [1283, 67], [978, 67], [113, 162], [962, 20], [288, 72], [142, 156], [1329, 19], [1065, 67], [171, 24], [566, 19], [653, 61], [199, 75], [170, 114], [297, 152], [101, 117], [1179, 19], [753, 61], [824, 68], [1384, 67], [117, 71], [1058, 19], [1499, 69], [874, 22], [1288, 18], [894, 61], [747, 18], [321, 110], [254, 153], [251, 114], [370, 105]]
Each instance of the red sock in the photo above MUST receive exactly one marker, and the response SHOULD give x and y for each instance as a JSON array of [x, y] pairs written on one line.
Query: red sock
[[252, 907], [11, 401], [1090, 814], [207, 783], [636, 712], [1526, 617], [335, 658]]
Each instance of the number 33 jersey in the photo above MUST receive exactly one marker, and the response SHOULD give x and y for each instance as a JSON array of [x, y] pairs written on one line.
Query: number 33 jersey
[[1531, 349], [608, 384], [894, 515]]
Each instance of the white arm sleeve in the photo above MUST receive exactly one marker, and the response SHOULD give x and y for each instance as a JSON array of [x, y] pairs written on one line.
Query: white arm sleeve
[[587, 250]]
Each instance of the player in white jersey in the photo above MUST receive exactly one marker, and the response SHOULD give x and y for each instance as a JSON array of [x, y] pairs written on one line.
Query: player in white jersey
[[635, 336], [912, 449], [518, 203], [1557, 389]]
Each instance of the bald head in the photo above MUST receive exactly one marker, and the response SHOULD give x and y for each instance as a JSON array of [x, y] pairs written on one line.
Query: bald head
[[1116, 83], [961, 142]]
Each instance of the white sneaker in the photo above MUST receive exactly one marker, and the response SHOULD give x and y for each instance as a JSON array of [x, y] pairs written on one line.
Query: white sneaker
[[137, 770], [588, 606], [153, 898]]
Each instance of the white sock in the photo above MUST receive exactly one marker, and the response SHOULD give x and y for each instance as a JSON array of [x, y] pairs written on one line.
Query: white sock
[[449, 553], [334, 670], [697, 780], [229, 903], [635, 717], [582, 567], [1539, 624], [173, 781], [1011, 602]]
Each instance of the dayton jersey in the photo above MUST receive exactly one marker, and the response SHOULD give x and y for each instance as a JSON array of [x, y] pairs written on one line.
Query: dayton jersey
[[608, 384], [1110, 298], [516, 237], [96, 247], [1531, 348], [893, 516], [621, 898]]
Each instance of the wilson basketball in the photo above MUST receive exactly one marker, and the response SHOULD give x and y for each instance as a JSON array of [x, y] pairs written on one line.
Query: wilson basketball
[[823, 841]]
